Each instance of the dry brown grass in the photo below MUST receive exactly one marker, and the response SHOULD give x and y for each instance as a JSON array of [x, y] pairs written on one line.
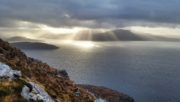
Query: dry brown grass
[[10, 91]]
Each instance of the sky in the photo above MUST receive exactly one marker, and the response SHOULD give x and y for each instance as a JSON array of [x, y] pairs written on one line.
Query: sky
[[39, 17]]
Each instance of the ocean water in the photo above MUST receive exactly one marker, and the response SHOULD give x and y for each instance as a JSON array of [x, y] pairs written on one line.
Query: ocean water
[[147, 71]]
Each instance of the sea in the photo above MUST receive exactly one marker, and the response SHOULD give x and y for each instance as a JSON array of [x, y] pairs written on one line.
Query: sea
[[149, 71]]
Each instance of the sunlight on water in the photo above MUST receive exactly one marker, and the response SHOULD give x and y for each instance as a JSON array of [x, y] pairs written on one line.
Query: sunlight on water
[[86, 45], [82, 44]]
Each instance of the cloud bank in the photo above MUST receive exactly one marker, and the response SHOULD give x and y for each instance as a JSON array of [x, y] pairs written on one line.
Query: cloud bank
[[86, 14]]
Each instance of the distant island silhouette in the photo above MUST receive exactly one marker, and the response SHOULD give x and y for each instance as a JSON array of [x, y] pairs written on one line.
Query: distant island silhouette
[[34, 46], [21, 39]]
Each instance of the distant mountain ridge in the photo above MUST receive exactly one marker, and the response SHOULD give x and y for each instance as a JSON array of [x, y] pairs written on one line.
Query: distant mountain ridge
[[112, 35], [120, 35]]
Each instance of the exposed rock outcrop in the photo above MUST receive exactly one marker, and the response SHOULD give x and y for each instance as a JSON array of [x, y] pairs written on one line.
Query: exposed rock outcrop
[[7, 73], [100, 100], [30, 91], [34, 92]]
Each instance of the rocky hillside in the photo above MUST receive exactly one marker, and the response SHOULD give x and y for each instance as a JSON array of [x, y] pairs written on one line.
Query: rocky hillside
[[24, 79]]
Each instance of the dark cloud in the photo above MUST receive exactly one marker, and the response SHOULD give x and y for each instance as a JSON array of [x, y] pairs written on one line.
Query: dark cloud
[[91, 13]]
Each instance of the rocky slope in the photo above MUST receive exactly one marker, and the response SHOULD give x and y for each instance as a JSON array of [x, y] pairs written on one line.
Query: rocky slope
[[34, 72]]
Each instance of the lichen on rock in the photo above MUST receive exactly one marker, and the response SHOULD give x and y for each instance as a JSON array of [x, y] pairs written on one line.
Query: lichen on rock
[[100, 100], [7, 73], [34, 92]]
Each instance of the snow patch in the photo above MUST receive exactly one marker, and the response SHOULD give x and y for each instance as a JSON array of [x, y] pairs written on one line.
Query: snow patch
[[7, 72], [100, 100], [35, 93]]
